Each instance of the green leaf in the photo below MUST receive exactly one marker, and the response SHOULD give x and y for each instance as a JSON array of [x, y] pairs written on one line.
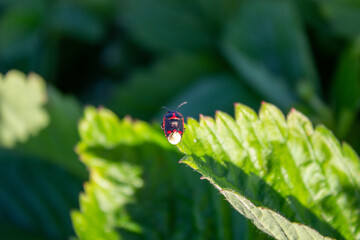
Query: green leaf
[[56, 142], [269, 221], [21, 107], [137, 190], [277, 171], [266, 45], [35, 198]]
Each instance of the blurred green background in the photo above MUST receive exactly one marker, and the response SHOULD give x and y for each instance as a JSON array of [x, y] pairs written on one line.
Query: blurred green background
[[138, 55]]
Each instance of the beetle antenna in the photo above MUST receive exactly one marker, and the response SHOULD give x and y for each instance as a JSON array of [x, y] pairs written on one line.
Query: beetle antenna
[[165, 108], [181, 104]]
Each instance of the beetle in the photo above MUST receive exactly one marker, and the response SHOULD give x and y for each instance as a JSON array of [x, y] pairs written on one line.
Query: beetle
[[173, 125]]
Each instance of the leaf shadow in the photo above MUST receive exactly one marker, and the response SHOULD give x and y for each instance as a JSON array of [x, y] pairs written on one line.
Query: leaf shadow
[[173, 202], [231, 177]]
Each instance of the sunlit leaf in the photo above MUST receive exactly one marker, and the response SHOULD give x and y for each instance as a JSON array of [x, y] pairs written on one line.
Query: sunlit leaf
[[137, 189], [280, 173], [22, 110]]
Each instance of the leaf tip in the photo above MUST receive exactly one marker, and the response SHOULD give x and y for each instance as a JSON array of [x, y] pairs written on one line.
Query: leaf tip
[[218, 114], [203, 118], [128, 119]]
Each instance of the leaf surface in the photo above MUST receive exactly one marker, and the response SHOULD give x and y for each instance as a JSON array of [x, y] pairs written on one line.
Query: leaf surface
[[137, 189], [22, 110], [278, 171]]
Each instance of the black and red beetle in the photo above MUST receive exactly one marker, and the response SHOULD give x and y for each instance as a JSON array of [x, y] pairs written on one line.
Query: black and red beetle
[[173, 125]]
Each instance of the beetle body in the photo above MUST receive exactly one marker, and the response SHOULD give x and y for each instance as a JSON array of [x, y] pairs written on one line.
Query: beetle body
[[173, 126]]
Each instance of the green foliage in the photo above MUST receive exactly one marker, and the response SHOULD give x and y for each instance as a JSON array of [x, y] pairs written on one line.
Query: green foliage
[[271, 54], [269, 221], [267, 165], [40, 177], [274, 171], [137, 190], [21, 107], [136, 56], [56, 142], [35, 198]]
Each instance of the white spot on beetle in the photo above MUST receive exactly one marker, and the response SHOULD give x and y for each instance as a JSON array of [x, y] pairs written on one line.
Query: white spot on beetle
[[174, 138]]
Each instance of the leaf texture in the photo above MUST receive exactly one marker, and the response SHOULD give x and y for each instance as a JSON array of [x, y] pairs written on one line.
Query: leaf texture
[[137, 190], [275, 170]]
